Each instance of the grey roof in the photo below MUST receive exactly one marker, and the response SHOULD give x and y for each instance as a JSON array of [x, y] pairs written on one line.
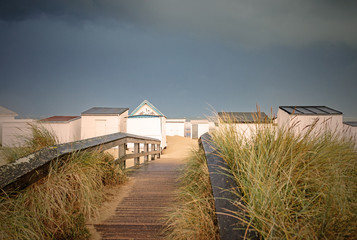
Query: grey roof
[[243, 117], [7, 112], [352, 124], [309, 110], [104, 111]]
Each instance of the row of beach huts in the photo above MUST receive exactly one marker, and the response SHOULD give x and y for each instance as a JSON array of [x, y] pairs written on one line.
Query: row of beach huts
[[147, 120]]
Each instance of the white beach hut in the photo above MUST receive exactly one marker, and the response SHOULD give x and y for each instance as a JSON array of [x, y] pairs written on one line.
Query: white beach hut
[[6, 115], [303, 116], [99, 121], [350, 130], [146, 120], [175, 127], [66, 128], [245, 122], [199, 127]]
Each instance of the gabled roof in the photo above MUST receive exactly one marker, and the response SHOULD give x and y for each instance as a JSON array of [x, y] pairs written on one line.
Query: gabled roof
[[104, 111], [60, 119], [150, 105], [243, 117], [309, 110], [4, 112]]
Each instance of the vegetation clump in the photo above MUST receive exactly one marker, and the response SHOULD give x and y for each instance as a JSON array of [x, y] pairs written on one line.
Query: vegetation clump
[[57, 206], [39, 138], [294, 185], [194, 215]]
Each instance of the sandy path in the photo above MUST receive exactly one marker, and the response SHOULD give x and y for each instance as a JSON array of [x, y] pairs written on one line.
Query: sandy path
[[135, 208]]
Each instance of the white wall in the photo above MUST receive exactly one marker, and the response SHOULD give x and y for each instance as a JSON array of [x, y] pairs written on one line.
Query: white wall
[[175, 127], [15, 132], [123, 118], [65, 131], [325, 122], [202, 129], [94, 126], [350, 132], [2, 120], [154, 127]]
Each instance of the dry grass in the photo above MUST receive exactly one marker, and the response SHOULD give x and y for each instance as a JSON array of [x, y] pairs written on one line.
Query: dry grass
[[194, 215], [40, 138], [57, 206], [295, 186]]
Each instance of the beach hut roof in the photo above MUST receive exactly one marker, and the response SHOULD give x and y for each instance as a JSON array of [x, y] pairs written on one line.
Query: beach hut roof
[[104, 111], [309, 110], [4, 112], [60, 119], [146, 102]]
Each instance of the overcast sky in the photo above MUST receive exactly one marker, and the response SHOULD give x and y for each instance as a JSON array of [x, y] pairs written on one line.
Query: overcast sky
[[186, 57]]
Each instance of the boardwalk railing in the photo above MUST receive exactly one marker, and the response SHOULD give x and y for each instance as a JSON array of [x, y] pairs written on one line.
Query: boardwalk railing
[[33, 167], [226, 201]]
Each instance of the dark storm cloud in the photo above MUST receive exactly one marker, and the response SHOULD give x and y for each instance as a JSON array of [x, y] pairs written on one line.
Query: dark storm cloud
[[250, 23]]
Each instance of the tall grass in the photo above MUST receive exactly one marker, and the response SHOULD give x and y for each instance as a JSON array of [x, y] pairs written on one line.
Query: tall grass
[[295, 186], [194, 214], [57, 206], [39, 138]]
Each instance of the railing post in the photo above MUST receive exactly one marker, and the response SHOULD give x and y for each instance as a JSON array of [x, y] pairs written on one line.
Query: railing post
[[146, 150], [158, 148], [121, 154], [136, 150], [152, 149]]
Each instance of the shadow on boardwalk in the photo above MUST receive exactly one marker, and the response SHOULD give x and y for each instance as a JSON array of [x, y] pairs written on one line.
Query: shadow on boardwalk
[[137, 208]]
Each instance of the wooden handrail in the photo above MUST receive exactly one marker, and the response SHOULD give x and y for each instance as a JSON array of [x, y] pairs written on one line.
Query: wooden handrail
[[29, 169], [225, 200]]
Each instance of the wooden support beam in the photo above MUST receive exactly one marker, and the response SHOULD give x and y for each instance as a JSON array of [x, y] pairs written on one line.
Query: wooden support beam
[[121, 155], [146, 150], [136, 150], [153, 149], [158, 147]]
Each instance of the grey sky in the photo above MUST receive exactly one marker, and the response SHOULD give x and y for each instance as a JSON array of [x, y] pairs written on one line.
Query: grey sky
[[63, 57]]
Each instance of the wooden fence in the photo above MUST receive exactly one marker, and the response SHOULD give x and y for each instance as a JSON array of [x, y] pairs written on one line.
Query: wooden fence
[[226, 201], [33, 167]]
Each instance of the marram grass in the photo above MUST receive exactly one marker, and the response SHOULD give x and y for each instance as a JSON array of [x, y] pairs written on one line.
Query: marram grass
[[57, 206], [193, 217], [295, 186]]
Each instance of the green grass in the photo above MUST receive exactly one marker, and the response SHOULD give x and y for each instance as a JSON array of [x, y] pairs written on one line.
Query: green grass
[[193, 216], [295, 186], [57, 206]]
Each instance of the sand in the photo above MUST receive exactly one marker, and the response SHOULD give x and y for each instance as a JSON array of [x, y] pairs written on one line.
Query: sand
[[178, 148]]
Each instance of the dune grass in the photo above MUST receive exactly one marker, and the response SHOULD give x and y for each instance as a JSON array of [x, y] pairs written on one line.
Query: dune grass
[[57, 206], [40, 138], [294, 186], [194, 215]]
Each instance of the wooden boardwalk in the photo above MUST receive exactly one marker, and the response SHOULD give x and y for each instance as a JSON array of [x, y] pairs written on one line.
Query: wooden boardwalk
[[139, 214]]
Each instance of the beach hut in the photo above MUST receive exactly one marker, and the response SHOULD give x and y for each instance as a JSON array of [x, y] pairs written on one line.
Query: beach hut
[[15, 132], [245, 122], [146, 120], [6, 115], [175, 127], [199, 127], [350, 130], [66, 128], [99, 121], [324, 118]]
